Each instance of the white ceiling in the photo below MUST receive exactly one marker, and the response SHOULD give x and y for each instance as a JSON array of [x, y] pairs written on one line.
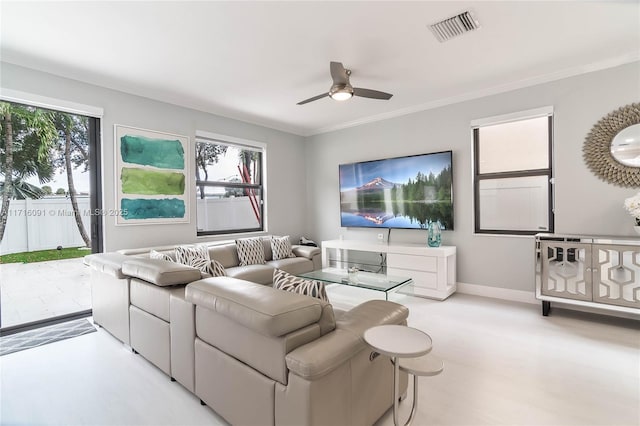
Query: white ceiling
[[255, 60]]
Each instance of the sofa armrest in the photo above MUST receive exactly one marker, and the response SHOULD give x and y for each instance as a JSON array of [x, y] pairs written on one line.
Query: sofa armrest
[[323, 355], [312, 253], [160, 272], [372, 313]]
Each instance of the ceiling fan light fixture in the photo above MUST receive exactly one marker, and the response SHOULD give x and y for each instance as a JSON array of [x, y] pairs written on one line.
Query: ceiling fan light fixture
[[341, 92], [341, 95]]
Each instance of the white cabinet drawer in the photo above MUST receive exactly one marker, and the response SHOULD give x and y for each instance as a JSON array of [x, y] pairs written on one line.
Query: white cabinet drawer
[[415, 263], [420, 278]]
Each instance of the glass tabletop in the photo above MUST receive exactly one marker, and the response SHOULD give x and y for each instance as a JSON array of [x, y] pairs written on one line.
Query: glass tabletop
[[370, 280]]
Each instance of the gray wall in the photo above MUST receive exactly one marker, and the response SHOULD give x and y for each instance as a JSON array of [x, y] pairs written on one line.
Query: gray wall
[[584, 204], [285, 153]]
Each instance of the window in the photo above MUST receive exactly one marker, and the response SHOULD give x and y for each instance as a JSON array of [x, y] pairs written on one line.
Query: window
[[513, 174], [229, 185]]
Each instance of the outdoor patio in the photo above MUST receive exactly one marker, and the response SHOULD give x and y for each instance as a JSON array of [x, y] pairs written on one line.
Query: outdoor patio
[[35, 291]]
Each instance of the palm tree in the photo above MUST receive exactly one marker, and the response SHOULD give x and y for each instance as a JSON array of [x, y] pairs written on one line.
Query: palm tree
[[73, 147], [27, 135], [21, 190], [206, 155]]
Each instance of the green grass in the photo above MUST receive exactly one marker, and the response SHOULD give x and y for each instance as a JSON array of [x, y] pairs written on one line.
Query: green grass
[[43, 255]]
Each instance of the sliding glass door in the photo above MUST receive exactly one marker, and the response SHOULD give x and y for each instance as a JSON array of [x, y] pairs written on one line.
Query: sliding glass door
[[49, 213]]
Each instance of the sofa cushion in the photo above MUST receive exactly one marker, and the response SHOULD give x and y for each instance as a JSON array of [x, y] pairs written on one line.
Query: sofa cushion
[[261, 274], [281, 248], [285, 281], [226, 254], [266, 246], [160, 272], [250, 251], [260, 308], [293, 265]]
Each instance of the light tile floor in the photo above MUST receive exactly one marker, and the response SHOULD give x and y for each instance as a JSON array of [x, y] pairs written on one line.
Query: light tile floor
[[35, 291], [505, 364]]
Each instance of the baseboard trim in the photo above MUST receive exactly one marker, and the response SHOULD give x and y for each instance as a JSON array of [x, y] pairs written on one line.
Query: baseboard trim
[[530, 297], [498, 293]]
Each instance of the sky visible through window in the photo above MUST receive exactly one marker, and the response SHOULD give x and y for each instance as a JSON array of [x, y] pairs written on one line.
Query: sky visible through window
[[80, 181], [226, 169]]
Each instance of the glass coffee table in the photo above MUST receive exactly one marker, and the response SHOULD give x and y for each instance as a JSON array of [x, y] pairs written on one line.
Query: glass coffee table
[[369, 280]]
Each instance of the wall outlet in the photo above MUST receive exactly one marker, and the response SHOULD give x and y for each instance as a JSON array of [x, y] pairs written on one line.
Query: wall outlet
[[380, 237]]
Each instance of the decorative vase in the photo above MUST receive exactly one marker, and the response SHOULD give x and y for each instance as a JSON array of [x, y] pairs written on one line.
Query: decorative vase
[[353, 275], [434, 237], [637, 229]]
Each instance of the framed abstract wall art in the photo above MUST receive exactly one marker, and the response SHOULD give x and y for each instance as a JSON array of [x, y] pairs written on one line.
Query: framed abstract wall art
[[151, 177]]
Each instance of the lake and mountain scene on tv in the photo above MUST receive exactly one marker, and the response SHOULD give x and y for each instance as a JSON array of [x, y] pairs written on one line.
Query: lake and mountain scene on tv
[[404, 192]]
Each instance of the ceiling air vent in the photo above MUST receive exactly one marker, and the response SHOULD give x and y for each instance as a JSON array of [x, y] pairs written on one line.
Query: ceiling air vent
[[454, 26]]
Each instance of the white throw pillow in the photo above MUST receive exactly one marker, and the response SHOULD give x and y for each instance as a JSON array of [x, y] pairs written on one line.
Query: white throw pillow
[[196, 256], [283, 280], [281, 248], [153, 254], [250, 251]]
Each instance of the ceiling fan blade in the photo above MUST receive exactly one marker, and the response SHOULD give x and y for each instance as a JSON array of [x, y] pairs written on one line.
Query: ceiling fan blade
[[338, 73], [373, 94], [315, 98]]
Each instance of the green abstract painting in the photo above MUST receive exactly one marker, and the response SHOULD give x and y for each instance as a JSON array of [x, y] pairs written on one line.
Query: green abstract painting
[[140, 208], [151, 176], [161, 153], [151, 182]]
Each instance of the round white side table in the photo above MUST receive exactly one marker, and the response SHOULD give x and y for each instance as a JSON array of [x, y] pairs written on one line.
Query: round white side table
[[398, 341]]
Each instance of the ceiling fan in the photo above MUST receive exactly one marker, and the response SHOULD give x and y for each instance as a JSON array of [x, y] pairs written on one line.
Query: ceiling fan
[[341, 90]]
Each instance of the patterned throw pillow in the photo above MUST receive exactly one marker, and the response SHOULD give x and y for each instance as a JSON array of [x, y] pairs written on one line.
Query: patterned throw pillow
[[153, 254], [250, 251], [285, 281], [215, 269], [196, 256], [281, 247]]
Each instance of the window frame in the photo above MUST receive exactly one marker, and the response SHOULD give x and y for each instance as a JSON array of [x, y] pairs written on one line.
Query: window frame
[[214, 138], [478, 177]]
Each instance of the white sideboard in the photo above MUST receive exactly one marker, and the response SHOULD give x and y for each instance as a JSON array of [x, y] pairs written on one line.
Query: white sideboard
[[432, 269], [594, 271]]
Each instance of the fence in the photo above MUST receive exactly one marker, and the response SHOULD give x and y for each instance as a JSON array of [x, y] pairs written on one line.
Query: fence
[[225, 213], [44, 224]]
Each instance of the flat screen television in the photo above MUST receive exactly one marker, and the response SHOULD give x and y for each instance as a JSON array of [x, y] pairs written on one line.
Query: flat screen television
[[402, 192]]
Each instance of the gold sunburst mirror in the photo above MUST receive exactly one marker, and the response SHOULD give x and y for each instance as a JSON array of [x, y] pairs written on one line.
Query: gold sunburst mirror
[[612, 147]]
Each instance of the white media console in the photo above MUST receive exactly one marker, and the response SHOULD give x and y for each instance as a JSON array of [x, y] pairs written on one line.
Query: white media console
[[433, 269]]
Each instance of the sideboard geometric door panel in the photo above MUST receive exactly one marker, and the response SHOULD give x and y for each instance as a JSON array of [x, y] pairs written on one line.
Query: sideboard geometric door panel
[[566, 271], [616, 275]]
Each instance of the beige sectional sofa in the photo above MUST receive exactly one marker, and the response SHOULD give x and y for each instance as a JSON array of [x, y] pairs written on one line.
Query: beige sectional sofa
[[110, 287], [238, 343], [287, 357]]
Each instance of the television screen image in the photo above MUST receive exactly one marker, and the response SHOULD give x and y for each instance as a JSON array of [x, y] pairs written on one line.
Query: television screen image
[[403, 192]]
